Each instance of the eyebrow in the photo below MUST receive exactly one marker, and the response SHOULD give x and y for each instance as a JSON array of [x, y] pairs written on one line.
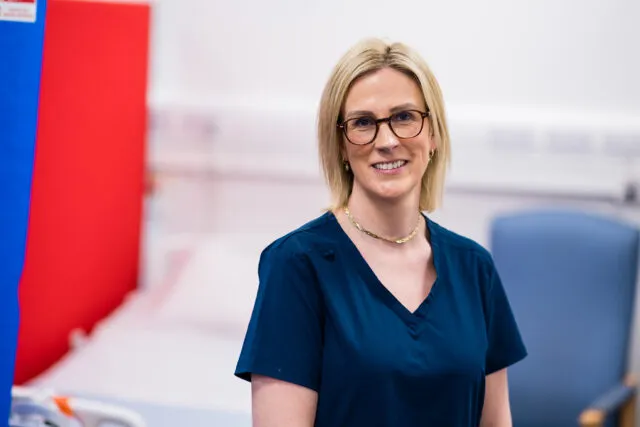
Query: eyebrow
[[407, 105]]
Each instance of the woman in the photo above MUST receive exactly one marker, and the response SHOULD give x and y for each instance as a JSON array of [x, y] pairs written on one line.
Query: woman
[[372, 314]]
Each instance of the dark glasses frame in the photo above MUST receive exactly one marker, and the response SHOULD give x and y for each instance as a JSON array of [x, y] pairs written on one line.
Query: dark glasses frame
[[423, 114]]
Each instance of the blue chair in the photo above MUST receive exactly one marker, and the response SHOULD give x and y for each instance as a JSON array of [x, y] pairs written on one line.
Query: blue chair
[[571, 279]]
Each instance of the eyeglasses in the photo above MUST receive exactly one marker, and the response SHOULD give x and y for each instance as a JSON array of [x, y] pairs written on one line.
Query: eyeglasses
[[364, 129]]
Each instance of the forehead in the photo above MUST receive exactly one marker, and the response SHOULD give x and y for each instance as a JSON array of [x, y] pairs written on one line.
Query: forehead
[[382, 90]]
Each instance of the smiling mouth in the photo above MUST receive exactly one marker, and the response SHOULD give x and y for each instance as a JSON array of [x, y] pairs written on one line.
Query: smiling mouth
[[390, 165]]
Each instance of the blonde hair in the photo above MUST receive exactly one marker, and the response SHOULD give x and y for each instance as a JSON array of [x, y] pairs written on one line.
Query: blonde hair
[[368, 56]]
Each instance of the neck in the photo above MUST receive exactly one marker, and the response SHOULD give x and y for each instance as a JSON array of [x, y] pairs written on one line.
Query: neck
[[392, 219]]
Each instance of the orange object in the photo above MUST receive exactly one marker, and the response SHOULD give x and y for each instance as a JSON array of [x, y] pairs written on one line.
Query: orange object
[[63, 405], [82, 249]]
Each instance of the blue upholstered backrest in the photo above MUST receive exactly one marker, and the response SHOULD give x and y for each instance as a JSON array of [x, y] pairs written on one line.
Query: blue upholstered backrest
[[571, 279]]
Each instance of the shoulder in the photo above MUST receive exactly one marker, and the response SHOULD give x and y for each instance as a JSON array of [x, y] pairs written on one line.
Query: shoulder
[[459, 248], [290, 264], [451, 241], [305, 241]]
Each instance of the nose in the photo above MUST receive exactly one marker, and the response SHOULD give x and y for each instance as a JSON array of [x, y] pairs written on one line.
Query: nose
[[386, 139]]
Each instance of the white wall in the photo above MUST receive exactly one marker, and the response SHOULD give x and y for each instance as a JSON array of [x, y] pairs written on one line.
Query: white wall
[[580, 54], [540, 93]]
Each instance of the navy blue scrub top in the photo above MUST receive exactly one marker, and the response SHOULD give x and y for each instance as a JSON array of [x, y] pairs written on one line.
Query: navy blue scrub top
[[324, 321]]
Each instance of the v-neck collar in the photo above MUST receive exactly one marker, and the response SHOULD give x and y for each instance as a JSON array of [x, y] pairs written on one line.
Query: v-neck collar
[[413, 319]]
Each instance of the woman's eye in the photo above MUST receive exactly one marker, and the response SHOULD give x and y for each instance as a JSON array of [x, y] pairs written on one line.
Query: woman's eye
[[363, 122], [404, 116]]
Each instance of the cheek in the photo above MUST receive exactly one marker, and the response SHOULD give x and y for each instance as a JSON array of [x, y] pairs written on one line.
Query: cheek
[[357, 155], [420, 150]]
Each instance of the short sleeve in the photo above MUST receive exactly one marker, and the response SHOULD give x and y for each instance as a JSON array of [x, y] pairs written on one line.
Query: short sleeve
[[505, 344], [284, 337]]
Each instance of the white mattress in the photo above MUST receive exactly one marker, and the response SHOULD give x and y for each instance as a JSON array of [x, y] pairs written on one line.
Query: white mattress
[[135, 358]]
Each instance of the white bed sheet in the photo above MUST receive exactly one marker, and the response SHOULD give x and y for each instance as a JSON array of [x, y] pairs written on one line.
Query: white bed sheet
[[135, 356]]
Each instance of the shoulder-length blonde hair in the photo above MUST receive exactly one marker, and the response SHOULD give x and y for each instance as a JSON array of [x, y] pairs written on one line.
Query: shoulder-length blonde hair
[[365, 57]]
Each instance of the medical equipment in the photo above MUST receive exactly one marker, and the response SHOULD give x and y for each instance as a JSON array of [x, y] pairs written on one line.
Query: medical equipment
[[34, 407]]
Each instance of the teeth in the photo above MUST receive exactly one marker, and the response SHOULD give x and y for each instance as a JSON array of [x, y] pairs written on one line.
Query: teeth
[[391, 165]]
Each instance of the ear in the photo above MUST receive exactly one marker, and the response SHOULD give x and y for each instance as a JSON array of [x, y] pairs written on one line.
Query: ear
[[343, 154], [432, 133], [432, 142], [343, 150]]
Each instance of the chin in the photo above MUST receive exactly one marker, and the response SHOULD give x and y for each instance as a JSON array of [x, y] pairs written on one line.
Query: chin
[[392, 193]]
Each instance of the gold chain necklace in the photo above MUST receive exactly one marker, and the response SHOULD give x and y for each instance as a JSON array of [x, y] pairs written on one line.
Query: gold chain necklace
[[375, 236]]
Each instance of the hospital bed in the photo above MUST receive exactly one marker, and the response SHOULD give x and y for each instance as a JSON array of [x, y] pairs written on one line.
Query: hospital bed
[[169, 351]]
